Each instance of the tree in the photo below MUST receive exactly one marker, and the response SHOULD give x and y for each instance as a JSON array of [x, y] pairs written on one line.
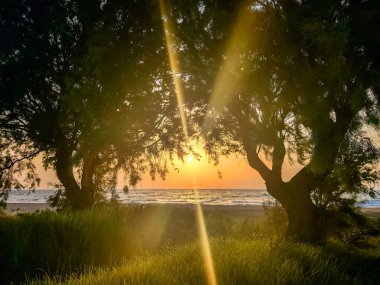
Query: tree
[[33, 48], [295, 81], [363, 20], [92, 93]]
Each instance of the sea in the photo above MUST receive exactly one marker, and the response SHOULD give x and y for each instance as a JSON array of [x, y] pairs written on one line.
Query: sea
[[225, 197]]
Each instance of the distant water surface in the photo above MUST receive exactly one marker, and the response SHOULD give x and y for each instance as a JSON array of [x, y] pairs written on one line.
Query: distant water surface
[[243, 197]]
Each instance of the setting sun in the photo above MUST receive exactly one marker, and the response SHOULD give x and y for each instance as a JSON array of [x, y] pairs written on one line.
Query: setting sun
[[174, 142], [190, 158]]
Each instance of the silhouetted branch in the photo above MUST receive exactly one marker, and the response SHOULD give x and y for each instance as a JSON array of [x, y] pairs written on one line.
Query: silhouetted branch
[[29, 156]]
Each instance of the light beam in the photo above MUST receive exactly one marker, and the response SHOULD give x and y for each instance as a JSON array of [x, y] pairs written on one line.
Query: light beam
[[175, 70], [174, 64], [205, 244], [234, 65]]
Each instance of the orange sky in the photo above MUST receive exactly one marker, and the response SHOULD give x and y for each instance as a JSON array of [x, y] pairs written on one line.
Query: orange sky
[[235, 172]]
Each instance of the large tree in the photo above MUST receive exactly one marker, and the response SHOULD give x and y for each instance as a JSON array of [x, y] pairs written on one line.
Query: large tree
[[35, 41], [295, 80], [87, 85]]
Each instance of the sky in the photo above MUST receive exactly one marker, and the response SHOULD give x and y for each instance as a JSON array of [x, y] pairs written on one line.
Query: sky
[[199, 174], [235, 174]]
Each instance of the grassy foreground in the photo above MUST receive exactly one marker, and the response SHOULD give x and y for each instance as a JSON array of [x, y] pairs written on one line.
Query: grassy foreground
[[236, 262], [160, 245]]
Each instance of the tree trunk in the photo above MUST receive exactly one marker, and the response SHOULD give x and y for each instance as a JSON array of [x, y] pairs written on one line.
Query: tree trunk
[[64, 170], [87, 182], [305, 220], [79, 196]]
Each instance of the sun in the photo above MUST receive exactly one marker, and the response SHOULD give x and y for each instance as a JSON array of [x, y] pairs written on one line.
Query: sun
[[190, 158]]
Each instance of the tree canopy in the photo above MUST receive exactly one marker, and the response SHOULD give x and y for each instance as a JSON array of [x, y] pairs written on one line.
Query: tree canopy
[[273, 80], [296, 80], [88, 88]]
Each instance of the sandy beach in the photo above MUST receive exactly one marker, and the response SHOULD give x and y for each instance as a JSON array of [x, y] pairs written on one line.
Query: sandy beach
[[371, 212], [233, 211], [26, 207]]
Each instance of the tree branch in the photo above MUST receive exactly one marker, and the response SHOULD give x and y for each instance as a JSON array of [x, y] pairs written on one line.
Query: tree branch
[[278, 159], [12, 163], [256, 163]]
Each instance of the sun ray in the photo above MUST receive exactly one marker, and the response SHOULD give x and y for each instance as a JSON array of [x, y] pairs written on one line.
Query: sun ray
[[205, 244], [176, 72], [233, 68], [174, 64]]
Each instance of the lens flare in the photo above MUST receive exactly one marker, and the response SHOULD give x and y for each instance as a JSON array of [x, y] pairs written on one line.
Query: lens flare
[[174, 64], [207, 256], [205, 244], [176, 72], [233, 68]]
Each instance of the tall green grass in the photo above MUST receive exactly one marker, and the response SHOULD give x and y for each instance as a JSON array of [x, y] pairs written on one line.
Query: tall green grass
[[158, 245], [236, 262], [65, 243], [55, 243]]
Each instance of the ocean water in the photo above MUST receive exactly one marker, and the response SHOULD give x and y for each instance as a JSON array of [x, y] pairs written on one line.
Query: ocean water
[[243, 197]]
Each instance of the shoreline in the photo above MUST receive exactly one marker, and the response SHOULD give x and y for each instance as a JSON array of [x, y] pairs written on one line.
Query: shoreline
[[32, 207], [228, 210]]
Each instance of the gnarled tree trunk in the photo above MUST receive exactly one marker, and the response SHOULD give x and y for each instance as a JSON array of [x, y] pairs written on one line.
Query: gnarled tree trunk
[[305, 221], [304, 218], [64, 170], [79, 196]]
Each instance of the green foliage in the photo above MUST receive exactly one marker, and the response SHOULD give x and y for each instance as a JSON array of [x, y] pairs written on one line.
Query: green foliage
[[353, 179], [90, 88], [61, 243], [276, 217], [236, 262], [59, 200], [293, 80], [16, 168], [118, 242], [66, 242]]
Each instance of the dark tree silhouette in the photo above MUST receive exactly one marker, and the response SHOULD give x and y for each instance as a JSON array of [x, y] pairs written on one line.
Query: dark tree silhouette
[[273, 80], [295, 80], [36, 39], [87, 85]]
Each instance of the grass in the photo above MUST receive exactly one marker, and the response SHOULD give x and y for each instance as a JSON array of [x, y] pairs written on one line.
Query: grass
[[64, 243], [159, 245], [236, 262]]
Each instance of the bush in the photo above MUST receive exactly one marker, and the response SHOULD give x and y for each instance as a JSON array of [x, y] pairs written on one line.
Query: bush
[[276, 217]]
